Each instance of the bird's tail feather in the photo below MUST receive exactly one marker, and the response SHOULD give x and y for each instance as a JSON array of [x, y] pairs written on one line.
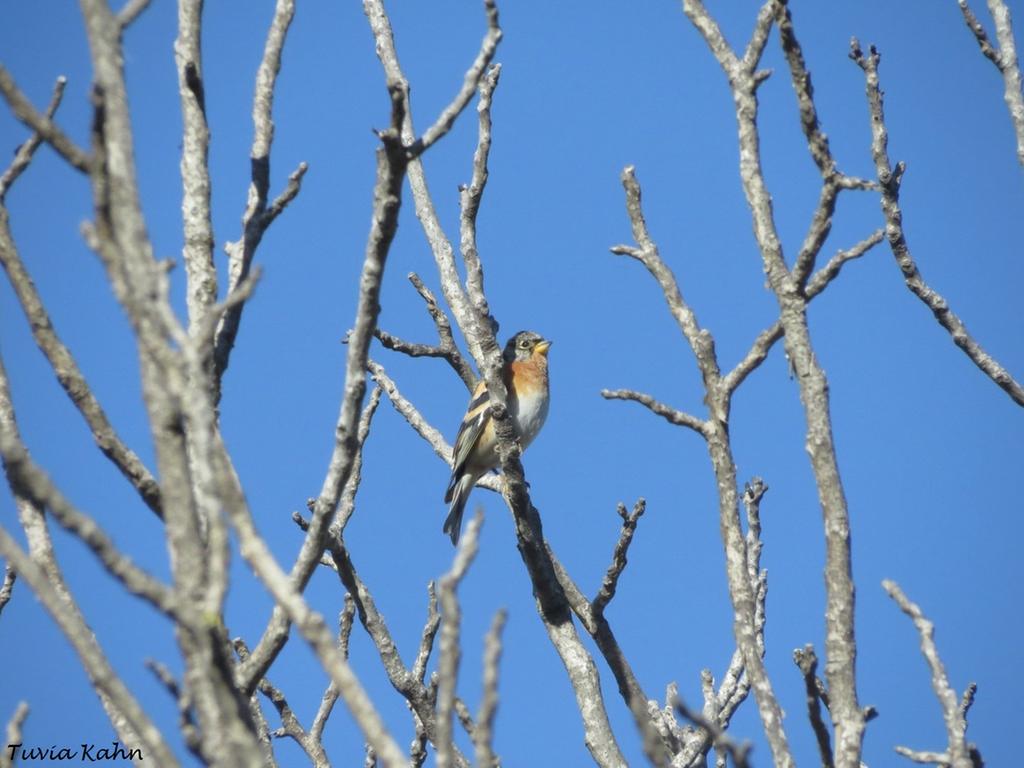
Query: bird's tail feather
[[459, 494]]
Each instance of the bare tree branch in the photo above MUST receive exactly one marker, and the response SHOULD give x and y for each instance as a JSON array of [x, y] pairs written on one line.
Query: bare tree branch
[[130, 11], [102, 676], [409, 683], [197, 218], [807, 661], [421, 425], [32, 483], [646, 252], [186, 721], [450, 652], [479, 330], [7, 587], [433, 623], [721, 705], [618, 564], [841, 645], [483, 736], [410, 348], [444, 334], [1005, 60], [958, 752], [819, 281], [23, 155], [290, 725], [471, 194], [194, 482], [61, 604], [890, 179], [980, 36], [392, 164], [347, 503], [13, 733], [667, 412], [657, 744], [833, 181], [448, 116], [968, 699], [257, 216], [42, 124], [60, 358], [440, 245], [330, 696], [387, 197], [70, 376], [743, 593], [738, 752], [445, 348], [29, 482], [313, 628]]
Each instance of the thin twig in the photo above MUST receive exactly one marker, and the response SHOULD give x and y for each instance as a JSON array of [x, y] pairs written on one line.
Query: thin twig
[[409, 683], [42, 124], [444, 334], [7, 587], [952, 710], [197, 216], [30, 482], [474, 74], [483, 736], [186, 719], [445, 348], [290, 725], [807, 661], [646, 252], [968, 699], [13, 734], [450, 653], [738, 752], [330, 697], [818, 282], [667, 412], [422, 427], [980, 36], [23, 156], [618, 564], [744, 80], [70, 376], [890, 179], [1005, 60], [451, 285], [387, 194], [347, 502], [257, 217], [130, 11], [479, 333], [433, 623], [471, 194], [102, 675]]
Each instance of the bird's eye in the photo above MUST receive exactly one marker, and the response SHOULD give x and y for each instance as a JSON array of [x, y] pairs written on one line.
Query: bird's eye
[[524, 343]]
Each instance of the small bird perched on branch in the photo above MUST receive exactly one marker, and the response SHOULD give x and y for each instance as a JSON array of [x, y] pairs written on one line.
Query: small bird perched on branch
[[476, 447]]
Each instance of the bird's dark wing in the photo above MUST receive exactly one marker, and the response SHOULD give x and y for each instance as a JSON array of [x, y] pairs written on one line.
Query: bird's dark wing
[[473, 424]]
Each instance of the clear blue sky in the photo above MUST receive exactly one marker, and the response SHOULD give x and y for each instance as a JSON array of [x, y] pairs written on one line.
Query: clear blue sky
[[930, 450]]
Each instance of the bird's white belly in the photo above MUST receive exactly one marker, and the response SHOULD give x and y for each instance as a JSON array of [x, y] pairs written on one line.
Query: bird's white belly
[[529, 417]]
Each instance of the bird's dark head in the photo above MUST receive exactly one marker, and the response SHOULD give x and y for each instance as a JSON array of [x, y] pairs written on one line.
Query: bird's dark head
[[525, 345]]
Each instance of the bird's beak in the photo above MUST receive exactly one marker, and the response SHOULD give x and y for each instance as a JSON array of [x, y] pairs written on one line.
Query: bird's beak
[[542, 348]]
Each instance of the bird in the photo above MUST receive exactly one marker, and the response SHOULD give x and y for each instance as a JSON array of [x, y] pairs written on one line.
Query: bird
[[525, 371]]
